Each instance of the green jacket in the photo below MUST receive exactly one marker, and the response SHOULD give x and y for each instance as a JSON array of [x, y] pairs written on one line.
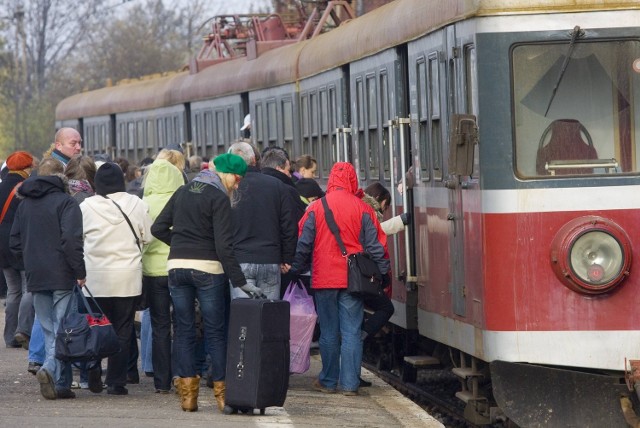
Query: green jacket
[[162, 179]]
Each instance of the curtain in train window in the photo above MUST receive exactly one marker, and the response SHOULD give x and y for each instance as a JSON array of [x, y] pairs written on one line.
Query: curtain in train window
[[423, 118], [574, 108], [287, 125], [385, 102], [372, 124], [313, 106], [435, 125], [362, 148], [272, 122]]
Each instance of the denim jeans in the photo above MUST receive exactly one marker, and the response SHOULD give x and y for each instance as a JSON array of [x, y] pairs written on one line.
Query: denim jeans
[[50, 307], [340, 316], [19, 305], [36, 344], [264, 276], [146, 364], [159, 301], [212, 292]]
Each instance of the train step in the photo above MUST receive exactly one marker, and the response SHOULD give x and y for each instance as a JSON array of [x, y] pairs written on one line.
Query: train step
[[467, 396], [421, 361], [466, 372]]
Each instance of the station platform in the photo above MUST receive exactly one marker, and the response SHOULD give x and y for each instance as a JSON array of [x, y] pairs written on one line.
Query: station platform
[[22, 405]]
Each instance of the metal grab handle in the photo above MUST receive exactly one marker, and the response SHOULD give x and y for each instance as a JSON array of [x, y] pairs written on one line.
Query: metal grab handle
[[392, 171], [405, 196], [345, 144]]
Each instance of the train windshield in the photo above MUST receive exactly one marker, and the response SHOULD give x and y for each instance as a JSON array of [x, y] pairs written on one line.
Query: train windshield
[[575, 108]]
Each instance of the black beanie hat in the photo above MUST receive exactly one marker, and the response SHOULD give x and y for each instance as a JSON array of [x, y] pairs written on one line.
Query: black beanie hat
[[109, 179], [308, 188]]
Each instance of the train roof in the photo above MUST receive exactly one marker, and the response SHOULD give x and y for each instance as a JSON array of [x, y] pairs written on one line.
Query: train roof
[[395, 23]]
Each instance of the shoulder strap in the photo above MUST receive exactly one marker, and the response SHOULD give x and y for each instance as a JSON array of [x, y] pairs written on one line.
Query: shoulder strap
[[128, 222], [331, 222], [5, 208]]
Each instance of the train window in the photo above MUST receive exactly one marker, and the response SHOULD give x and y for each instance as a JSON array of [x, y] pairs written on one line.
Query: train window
[[141, 142], [161, 135], [208, 128], [131, 131], [384, 108], [325, 132], [328, 157], [259, 121], [423, 118], [152, 144], [168, 125], [436, 133], [231, 126], [287, 124], [272, 122], [471, 96], [306, 145], [220, 131], [372, 124], [313, 107], [574, 108], [362, 148]]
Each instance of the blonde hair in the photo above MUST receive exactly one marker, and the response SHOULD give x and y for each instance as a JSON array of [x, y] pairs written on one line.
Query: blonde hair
[[50, 166], [174, 157]]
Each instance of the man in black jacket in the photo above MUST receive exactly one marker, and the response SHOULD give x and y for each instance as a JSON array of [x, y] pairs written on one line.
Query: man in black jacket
[[265, 225], [46, 237]]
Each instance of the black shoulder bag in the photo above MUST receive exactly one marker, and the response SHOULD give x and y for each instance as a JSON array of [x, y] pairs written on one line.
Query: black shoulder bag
[[363, 276]]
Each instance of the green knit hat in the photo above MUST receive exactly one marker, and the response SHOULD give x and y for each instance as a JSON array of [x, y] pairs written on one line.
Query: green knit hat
[[230, 163]]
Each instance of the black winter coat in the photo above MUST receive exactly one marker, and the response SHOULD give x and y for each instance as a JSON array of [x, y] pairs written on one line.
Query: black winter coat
[[47, 235], [7, 259], [266, 230], [196, 224], [298, 206]]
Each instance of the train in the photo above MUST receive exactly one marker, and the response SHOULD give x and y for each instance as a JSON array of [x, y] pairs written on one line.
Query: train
[[507, 129]]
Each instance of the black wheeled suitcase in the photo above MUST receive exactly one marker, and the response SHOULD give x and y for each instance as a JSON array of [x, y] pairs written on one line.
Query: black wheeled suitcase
[[257, 355]]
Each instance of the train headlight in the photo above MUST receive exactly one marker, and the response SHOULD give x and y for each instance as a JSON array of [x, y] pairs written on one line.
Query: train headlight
[[591, 255]]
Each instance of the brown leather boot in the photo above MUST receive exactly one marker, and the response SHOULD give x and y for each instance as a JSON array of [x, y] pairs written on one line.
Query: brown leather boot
[[188, 388], [219, 389]]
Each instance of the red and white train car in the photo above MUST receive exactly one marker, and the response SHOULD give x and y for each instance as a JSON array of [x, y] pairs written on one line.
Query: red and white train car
[[517, 124]]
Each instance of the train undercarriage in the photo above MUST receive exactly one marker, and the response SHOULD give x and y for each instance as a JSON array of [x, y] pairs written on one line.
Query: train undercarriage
[[506, 394]]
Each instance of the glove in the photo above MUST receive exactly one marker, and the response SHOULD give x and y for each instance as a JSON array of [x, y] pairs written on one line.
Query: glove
[[253, 291], [386, 280], [406, 218]]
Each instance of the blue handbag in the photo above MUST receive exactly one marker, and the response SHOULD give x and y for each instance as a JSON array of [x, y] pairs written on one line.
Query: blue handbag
[[85, 337]]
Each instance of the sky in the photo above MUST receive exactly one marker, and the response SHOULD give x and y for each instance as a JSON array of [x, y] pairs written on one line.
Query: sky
[[215, 7]]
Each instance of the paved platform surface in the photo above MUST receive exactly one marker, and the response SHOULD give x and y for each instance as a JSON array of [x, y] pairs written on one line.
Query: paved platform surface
[[23, 406]]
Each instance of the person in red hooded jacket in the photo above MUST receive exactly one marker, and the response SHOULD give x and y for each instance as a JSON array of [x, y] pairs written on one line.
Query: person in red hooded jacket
[[339, 314]]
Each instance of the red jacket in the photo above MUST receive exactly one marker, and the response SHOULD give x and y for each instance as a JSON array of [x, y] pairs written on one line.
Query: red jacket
[[359, 230]]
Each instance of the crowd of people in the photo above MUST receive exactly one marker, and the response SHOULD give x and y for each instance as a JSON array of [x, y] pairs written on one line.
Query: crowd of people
[[179, 238]]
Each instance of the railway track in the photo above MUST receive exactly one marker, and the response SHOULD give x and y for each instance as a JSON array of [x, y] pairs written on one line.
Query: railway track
[[438, 402]]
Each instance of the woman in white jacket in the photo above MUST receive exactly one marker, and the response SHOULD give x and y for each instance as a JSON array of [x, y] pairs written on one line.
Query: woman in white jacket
[[116, 226]]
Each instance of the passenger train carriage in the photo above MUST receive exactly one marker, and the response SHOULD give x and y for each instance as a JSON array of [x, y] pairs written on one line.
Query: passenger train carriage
[[510, 126]]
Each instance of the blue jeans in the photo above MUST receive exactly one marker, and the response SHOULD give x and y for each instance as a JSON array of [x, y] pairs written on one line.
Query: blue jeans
[[340, 316], [50, 307], [145, 342], [264, 276], [36, 344], [212, 292], [19, 305]]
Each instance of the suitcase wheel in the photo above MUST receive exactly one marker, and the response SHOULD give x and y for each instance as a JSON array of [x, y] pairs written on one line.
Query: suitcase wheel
[[228, 410], [262, 412]]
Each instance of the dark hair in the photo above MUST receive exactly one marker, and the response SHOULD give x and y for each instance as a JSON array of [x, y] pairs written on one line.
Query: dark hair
[[305, 161], [378, 192], [268, 149], [123, 164], [81, 168]]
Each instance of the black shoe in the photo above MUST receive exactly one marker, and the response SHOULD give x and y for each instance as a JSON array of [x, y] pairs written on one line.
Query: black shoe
[[133, 378], [364, 383], [14, 345], [117, 390], [62, 393], [148, 374], [47, 387], [23, 340], [95, 379], [33, 367]]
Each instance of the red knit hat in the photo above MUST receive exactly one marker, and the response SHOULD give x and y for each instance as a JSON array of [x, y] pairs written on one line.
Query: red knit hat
[[18, 161]]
